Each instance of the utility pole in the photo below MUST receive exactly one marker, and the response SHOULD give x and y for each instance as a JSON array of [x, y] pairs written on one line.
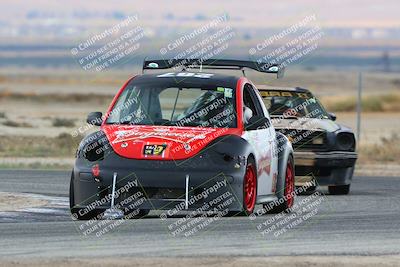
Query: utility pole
[[386, 61], [359, 106]]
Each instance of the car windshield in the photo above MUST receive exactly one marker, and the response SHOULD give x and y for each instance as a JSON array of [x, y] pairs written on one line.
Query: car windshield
[[293, 104], [177, 105]]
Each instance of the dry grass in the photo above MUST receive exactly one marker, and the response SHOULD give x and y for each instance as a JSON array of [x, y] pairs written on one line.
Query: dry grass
[[43, 98], [11, 123], [35, 166], [63, 122], [63, 145], [386, 151], [372, 103], [61, 79]]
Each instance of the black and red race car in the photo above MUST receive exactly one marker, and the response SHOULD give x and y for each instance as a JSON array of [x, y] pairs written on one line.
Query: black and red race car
[[184, 140]]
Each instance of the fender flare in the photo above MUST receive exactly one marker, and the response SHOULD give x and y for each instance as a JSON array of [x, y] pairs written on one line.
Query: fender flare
[[234, 146], [285, 150]]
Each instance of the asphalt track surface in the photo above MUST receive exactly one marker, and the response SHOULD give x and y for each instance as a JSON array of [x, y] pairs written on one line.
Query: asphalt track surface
[[365, 222]]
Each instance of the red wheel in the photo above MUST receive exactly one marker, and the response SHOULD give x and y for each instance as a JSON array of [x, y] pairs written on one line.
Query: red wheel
[[250, 188], [289, 185]]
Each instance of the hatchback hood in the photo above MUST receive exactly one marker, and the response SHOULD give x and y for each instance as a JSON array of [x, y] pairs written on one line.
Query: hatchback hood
[[161, 142]]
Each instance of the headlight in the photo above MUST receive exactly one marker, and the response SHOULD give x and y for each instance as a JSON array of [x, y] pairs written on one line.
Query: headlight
[[346, 141], [94, 147], [318, 141], [93, 151]]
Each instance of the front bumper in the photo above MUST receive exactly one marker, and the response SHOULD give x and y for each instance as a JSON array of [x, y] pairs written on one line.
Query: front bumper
[[156, 184], [326, 168]]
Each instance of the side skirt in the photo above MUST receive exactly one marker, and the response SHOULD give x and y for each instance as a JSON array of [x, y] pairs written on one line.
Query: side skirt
[[266, 198]]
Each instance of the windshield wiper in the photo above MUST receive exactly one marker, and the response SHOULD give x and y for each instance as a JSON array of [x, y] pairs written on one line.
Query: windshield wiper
[[126, 122], [190, 124], [163, 122], [115, 122], [284, 116]]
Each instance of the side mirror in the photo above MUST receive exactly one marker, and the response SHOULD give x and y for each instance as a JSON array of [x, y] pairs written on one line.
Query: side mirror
[[257, 123], [332, 115], [95, 118]]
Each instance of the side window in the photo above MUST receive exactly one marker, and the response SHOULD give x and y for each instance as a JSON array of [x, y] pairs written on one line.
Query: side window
[[256, 100], [251, 101], [248, 99], [251, 107]]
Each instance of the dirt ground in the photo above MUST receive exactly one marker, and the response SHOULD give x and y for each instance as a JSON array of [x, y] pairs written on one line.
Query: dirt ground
[[298, 261], [15, 201]]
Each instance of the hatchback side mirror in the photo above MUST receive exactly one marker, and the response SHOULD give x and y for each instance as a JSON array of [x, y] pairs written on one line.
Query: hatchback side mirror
[[332, 116], [257, 123], [95, 118]]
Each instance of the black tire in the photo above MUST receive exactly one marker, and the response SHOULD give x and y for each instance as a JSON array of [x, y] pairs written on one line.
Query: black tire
[[75, 212], [308, 191], [339, 189], [236, 214], [281, 185], [128, 213], [311, 189]]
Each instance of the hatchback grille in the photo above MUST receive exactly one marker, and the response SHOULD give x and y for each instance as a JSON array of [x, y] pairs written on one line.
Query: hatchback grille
[[165, 193]]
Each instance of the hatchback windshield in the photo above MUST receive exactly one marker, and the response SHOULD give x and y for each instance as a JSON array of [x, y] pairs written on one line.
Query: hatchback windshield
[[146, 104], [293, 104]]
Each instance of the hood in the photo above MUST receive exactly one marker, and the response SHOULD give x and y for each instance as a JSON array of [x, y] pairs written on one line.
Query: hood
[[306, 124], [161, 142]]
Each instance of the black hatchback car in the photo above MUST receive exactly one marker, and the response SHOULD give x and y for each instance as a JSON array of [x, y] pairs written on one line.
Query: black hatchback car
[[325, 151]]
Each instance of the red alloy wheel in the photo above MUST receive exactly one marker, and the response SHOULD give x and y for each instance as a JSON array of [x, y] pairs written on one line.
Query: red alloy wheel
[[289, 185], [250, 183]]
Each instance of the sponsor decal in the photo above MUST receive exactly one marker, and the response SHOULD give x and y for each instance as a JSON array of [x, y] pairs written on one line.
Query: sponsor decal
[[265, 94], [265, 163], [186, 74], [273, 68], [153, 65], [180, 142], [138, 134], [221, 89], [154, 149], [228, 93]]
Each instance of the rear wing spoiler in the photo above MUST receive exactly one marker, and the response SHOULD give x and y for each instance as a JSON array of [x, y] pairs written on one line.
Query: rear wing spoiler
[[224, 64]]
